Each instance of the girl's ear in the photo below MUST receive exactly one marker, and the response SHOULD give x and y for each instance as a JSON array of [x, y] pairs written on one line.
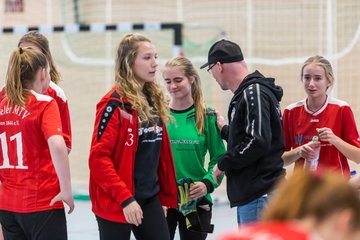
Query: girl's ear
[[44, 79], [43, 74]]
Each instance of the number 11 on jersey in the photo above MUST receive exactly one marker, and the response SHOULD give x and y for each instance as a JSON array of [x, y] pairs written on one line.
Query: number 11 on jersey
[[4, 147]]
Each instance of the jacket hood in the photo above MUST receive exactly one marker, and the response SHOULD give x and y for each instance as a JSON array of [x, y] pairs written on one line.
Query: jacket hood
[[257, 77]]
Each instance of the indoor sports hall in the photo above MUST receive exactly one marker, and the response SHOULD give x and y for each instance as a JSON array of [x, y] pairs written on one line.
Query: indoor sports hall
[[276, 36]]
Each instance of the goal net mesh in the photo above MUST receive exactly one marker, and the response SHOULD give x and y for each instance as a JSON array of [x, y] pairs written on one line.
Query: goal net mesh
[[276, 36]]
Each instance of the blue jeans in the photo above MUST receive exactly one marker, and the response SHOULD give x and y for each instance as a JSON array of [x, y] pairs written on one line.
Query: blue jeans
[[251, 211]]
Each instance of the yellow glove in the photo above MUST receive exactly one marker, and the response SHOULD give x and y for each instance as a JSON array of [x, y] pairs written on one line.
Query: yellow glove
[[186, 204]]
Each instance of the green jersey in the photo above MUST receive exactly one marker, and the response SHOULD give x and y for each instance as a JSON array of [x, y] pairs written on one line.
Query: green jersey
[[189, 148]]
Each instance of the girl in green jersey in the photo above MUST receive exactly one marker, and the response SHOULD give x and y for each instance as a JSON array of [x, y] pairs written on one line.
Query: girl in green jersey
[[193, 133]]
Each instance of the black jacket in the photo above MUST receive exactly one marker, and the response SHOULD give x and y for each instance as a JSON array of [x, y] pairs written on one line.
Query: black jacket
[[253, 161]]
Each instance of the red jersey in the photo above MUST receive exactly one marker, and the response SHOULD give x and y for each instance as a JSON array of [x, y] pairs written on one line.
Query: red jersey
[[2, 92], [267, 231], [58, 94], [299, 124], [28, 177]]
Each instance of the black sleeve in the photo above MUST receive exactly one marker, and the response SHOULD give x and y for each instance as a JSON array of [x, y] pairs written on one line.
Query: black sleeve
[[209, 186], [225, 132], [257, 139], [127, 202]]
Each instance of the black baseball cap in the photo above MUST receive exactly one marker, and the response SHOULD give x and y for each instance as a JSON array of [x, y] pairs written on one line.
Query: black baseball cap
[[224, 51]]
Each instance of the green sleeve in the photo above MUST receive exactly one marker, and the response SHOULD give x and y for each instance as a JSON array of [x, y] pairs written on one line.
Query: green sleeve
[[214, 143]]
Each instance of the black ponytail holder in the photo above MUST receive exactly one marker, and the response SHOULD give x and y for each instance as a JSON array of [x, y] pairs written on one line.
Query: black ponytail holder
[[21, 50]]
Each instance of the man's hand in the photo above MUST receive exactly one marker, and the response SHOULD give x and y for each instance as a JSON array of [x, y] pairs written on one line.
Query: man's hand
[[217, 174], [220, 121]]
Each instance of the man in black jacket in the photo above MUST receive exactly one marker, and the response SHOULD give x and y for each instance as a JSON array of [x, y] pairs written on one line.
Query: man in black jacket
[[252, 163]]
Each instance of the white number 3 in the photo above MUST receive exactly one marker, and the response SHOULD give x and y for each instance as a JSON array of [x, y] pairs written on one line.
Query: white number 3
[[130, 141], [19, 152]]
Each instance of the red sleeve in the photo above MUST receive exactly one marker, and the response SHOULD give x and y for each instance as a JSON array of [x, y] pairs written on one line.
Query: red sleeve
[[350, 133], [65, 122], [101, 161], [58, 94], [50, 120], [167, 176]]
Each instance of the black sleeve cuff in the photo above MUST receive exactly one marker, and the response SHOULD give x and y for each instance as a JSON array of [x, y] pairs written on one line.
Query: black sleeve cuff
[[225, 132], [209, 186], [220, 164], [127, 202]]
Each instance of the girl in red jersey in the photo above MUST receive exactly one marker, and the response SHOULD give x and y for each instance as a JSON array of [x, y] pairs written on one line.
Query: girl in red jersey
[[34, 168], [132, 176], [39, 42], [320, 115], [307, 206]]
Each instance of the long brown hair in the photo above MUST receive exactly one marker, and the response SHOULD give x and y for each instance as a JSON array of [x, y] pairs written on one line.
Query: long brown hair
[[307, 195], [190, 72], [42, 43], [23, 66], [131, 89]]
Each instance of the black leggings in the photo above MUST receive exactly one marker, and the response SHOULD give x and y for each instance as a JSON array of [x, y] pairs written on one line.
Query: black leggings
[[174, 217], [153, 226]]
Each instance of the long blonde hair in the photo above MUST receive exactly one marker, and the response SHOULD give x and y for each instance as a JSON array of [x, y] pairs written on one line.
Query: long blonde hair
[[23, 66], [319, 196], [42, 43], [190, 72], [149, 101]]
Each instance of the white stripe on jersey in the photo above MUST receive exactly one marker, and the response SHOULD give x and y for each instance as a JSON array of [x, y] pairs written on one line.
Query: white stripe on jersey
[[249, 99], [247, 115], [59, 92], [329, 100], [259, 106], [41, 97], [296, 104], [339, 102]]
